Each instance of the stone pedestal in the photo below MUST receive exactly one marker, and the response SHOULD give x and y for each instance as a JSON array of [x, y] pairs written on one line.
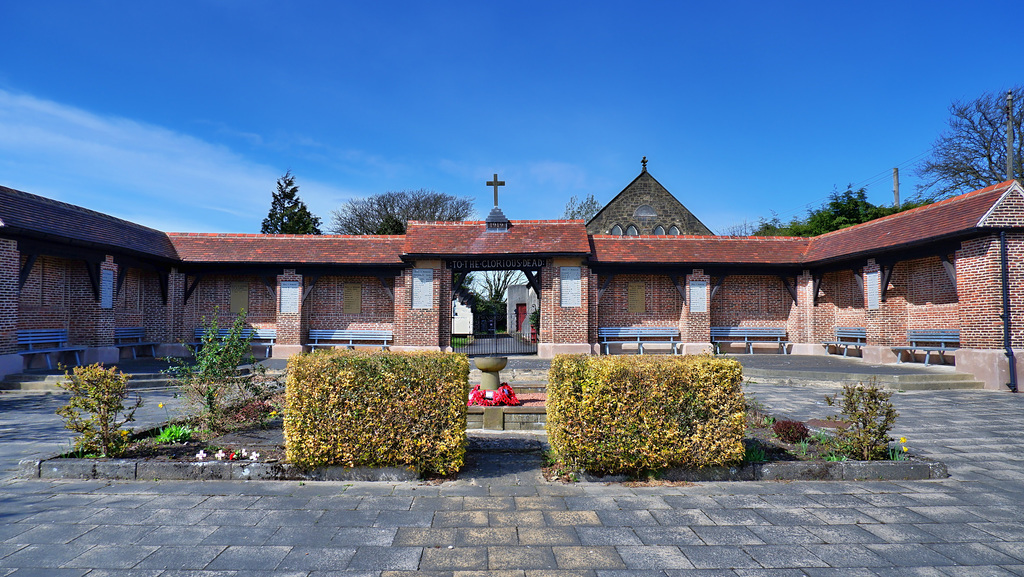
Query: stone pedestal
[[490, 371]]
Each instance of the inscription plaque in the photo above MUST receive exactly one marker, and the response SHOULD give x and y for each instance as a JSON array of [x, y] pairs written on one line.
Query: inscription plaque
[[698, 296], [570, 281], [422, 288], [872, 282], [107, 289], [290, 294]]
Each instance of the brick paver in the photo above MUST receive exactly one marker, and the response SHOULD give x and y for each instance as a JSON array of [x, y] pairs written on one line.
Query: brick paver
[[501, 518]]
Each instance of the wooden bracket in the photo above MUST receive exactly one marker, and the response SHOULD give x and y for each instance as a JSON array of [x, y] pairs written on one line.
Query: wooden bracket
[[93, 270], [271, 284], [718, 285], [164, 279], [816, 282], [886, 275], [191, 288], [122, 272], [534, 279], [387, 289], [789, 287], [950, 269], [858, 275], [604, 286], [26, 270], [679, 286], [457, 281], [309, 289]]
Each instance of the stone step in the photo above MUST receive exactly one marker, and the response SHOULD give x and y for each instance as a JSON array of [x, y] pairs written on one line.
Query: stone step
[[935, 381], [513, 377]]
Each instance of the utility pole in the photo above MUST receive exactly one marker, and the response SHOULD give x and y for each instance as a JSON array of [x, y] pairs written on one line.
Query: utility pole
[[896, 186], [1009, 135]]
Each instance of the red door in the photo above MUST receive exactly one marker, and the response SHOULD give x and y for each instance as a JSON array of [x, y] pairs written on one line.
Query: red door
[[520, 316]]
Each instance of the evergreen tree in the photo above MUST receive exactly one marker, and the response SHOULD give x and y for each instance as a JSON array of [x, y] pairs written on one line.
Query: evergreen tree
[[288, 214]]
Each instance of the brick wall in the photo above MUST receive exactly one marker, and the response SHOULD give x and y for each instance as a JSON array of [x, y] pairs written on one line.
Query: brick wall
[[422, 327], [560, 324], [663, 306], [9, 269], [979, 283], [323, 307], [289, 325], [840, 304], [751, 301], [43, 302]]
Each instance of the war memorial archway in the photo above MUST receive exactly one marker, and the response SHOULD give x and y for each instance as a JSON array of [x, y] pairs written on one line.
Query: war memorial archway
[[501, 333]]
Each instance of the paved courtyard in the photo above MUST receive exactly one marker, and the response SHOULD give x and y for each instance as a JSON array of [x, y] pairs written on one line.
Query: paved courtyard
[[500, 515]]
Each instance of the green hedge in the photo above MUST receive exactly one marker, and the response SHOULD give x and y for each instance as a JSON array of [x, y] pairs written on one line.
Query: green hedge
[[629, 414], [377, 409]]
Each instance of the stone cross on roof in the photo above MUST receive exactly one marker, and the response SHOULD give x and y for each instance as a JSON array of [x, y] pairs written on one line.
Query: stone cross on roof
[[496, 183]]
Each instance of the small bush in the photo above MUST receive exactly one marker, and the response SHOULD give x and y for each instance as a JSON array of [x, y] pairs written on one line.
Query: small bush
[[174, 434], [791, 431], [626, 414], [377, 409], [214, 383], [97, 400], [870, 415]]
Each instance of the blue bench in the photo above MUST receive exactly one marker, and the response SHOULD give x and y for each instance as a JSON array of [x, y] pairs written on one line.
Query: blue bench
[[847, 337], [748, 335], [350, 338], [56, 338], [941, 341], [640, 336], [257, 336], [135, 337]]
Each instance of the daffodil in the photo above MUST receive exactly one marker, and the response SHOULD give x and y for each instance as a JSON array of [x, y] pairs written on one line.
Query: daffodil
[[905, 449], [903, 439], [161, 405]]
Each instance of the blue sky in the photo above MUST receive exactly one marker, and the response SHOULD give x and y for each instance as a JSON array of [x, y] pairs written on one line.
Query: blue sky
[[182, 115]]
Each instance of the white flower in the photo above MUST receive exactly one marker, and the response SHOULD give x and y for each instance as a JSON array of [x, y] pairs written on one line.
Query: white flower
[[244, 453], [254, 455], [201, 455], [220, 455]]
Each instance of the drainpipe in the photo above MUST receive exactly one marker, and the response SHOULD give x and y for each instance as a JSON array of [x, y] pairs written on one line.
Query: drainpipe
[[1006, 313]]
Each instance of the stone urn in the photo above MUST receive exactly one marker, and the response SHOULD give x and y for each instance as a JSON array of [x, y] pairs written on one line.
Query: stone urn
[[490, 367]]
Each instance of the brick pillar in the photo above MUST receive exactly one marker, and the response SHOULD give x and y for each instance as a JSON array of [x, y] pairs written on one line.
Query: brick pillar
[[423, 328], [564, 329], [886, 325], [90, 321], [980, 296], [289, 315], [695, 329], [800, 326], [10, 259]]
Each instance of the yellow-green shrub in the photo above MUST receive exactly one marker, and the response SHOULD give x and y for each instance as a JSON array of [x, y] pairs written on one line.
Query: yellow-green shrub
[[377, 409], [627, 414]]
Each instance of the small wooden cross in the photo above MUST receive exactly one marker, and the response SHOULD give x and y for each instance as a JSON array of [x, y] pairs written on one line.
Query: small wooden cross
[[496, 183]]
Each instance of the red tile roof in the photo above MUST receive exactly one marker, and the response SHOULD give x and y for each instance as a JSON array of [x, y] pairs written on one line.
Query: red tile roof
[[699, 249], [945, 219], [34, 216], [288, 248], [523, 237]]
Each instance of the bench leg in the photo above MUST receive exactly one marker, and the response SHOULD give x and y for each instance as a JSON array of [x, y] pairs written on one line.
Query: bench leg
[[639, 348], [927, 358]]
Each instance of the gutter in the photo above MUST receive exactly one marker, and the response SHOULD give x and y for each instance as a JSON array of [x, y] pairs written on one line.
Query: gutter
[[1006, 312]]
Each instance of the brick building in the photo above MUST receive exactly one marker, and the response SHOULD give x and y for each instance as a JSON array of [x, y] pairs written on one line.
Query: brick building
[[938, 266]]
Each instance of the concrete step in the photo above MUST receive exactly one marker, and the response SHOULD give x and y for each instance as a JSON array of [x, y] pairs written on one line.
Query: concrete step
[[514, 377], [940, 379]]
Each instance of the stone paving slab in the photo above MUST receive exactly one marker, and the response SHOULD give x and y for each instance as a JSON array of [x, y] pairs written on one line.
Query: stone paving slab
[[502, 518]]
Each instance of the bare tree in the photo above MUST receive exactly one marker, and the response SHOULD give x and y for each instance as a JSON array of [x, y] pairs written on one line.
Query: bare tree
[[493, 283], [389, 213], [581, 210], [971, 154]]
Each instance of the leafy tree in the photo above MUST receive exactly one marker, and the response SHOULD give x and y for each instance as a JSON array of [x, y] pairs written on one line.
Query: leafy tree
[[288, 214], [971, 153], [388, 213], [581, 210], [843, 209]]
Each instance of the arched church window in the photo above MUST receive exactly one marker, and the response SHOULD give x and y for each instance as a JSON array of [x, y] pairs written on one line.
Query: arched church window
[[659, 230], [673, 230], [616, 230], [632, 231], [645, 211]]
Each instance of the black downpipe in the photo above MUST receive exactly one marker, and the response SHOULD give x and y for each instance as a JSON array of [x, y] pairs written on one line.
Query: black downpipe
[[1006, 313]]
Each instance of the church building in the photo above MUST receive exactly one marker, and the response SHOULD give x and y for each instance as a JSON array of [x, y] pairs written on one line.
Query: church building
[[93, 284]]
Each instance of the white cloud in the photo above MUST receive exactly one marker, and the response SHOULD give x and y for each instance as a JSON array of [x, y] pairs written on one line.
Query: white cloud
[[144, 173]]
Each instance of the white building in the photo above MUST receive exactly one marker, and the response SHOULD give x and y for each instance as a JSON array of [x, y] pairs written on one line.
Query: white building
[[521, 301]]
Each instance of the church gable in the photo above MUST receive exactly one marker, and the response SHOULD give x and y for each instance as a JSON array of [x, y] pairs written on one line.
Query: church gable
[[646, 207]]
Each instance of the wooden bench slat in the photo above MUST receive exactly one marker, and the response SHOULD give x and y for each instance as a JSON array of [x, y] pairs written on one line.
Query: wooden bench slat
[[58, 337], [945, 338], [350, 335], [637, 335], [267, 336], [847, 337], [746, 335]]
